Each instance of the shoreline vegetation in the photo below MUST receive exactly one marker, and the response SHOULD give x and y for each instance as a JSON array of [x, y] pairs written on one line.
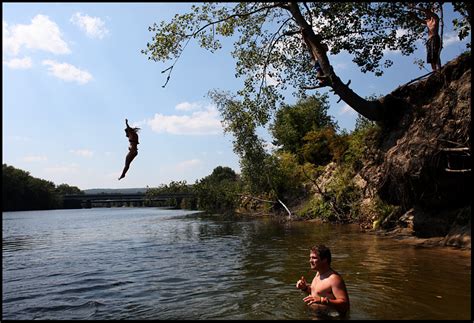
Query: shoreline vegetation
[[406, 179]]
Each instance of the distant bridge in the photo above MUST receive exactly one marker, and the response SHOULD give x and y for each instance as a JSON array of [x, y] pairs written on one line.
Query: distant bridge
[[86, 200]]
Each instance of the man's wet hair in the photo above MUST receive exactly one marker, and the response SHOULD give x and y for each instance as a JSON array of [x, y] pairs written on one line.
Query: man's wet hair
[[322, 251]]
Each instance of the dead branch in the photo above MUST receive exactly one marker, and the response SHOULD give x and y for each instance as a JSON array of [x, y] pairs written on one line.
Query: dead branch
[[313, 87], [449, 170], [462, 149], [268, 201], [287, 210], [418, 78]]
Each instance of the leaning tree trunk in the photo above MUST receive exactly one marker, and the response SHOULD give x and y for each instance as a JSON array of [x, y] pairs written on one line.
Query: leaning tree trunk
[[372, 110]]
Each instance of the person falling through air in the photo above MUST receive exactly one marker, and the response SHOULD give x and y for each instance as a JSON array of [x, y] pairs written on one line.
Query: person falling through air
[[132, 134]]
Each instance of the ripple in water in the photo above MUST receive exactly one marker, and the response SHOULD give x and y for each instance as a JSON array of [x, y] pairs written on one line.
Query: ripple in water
[[147, 263]]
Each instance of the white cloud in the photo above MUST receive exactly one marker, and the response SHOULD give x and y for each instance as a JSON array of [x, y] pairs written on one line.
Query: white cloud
[[451, 38], [205, 121], [41, 34], [82, 152], [346, 109], [270, 77], [30, 159], [19, 63], [186, 106], [67, 72], [93, 26]]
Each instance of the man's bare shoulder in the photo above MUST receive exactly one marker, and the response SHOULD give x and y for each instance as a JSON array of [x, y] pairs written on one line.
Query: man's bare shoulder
[[336, 278]]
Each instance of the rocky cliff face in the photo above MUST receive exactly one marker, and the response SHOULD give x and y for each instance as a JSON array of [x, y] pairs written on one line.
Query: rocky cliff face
[[422, 162]]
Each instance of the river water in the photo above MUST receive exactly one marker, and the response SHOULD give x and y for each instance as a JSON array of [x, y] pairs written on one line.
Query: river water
[[154, 263]]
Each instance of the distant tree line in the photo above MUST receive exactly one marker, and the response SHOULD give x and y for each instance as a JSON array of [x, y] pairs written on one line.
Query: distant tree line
[[22, 192], [216, 193]]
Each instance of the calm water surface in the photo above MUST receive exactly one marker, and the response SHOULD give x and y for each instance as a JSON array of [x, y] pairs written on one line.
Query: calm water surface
[[151, 263]]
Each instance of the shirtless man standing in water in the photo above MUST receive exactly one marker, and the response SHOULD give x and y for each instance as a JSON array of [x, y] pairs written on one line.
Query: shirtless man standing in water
[[327, 290], [132, 134]]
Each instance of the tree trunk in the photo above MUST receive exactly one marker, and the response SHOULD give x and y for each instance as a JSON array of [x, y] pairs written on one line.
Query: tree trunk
[[372, 110]]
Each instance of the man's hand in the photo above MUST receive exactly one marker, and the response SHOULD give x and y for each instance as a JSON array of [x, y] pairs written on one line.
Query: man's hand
[[312, 300], [301, 284]]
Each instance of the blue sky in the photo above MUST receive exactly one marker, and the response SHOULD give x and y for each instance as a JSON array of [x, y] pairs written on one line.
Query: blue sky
[[72, 73]]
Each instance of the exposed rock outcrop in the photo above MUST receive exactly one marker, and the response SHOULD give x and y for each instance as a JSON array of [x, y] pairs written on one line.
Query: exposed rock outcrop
[[423, 162]]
